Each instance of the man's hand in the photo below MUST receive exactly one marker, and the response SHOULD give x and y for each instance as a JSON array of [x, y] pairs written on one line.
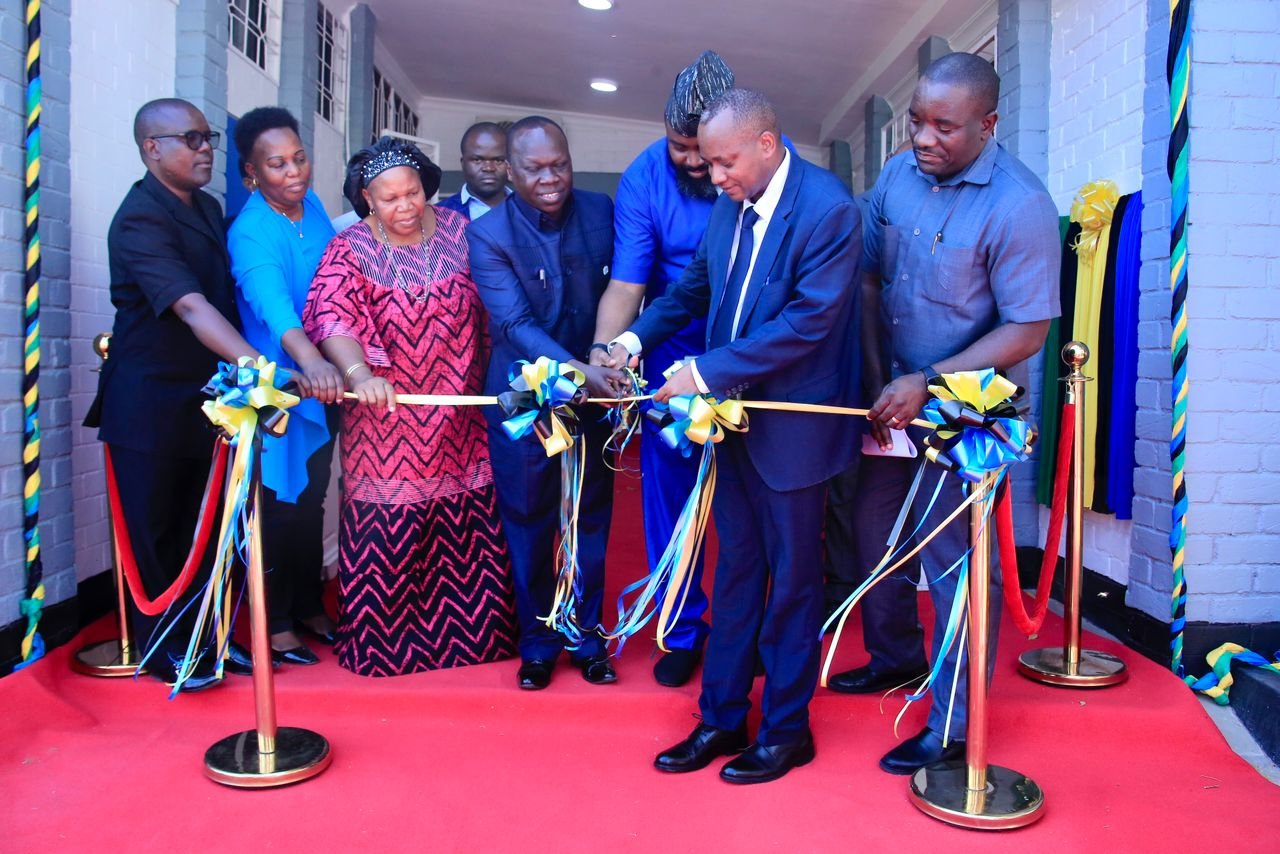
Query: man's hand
[[600, 358], [320, 380], [620, 358], [602, 381], [899, 403], [681, 382]]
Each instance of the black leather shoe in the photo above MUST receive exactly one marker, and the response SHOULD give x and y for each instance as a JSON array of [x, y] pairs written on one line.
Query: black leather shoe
[[764, 762], [328, 638], [297, 655], [923, 748], [239, 661], [864, 680], [534, 674], [598, 670], [194, 685], [704, 744], [676, 667]]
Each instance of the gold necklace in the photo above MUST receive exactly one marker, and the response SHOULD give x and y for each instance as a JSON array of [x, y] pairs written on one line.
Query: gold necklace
[[297, 226]]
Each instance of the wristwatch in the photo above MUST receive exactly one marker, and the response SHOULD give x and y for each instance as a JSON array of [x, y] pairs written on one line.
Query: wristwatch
[[598, 346], [931, 376]]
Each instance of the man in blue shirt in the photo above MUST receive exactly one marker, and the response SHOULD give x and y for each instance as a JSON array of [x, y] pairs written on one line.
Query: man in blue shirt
[[661, 210], [484, 166]]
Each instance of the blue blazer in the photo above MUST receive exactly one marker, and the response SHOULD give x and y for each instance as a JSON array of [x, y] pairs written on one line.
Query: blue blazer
[[540, 285], [798, 335]]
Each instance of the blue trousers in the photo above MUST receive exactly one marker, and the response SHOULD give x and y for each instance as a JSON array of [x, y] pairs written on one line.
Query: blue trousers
[[768, 586], [667, 478], [527, 483], [890, 614]]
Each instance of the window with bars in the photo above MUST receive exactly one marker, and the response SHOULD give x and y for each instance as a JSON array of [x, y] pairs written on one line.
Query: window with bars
[[331, 65], [390, 110], [249, 29]]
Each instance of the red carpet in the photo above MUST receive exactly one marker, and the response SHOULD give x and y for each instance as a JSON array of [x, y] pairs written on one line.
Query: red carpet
[[463, 761]]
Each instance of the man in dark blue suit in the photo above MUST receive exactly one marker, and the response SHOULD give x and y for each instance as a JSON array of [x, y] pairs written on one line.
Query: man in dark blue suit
[[775, 276], [484, 168], [541, 261]]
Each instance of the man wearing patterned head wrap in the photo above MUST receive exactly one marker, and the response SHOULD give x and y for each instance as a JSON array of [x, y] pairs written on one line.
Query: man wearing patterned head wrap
[[664, 200]]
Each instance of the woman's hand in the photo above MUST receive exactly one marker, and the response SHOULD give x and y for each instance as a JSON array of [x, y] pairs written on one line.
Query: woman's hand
[[373, 390], [319, 379]]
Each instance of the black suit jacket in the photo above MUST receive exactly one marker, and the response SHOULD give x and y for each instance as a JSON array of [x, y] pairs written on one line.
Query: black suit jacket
[[798, 334], [160, 250]]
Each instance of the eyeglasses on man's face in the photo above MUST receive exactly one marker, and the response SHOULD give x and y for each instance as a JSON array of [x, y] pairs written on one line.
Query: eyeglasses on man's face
[[193, 138]]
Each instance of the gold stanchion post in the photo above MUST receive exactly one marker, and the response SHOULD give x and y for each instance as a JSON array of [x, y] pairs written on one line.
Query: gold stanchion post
[[973, 793], [109, 658], [1069, 666], [267, 756]]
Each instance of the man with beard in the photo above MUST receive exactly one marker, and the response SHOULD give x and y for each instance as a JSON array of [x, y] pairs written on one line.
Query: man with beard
[[484, 166], [663, 203]]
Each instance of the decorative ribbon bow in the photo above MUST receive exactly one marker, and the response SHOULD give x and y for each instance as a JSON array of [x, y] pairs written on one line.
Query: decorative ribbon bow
[[1093, 208], [693, 418], [978, 428], [247, 395], [539, 399]]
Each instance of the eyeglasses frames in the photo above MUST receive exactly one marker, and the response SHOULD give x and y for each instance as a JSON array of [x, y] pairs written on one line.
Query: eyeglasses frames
[[193, 138]]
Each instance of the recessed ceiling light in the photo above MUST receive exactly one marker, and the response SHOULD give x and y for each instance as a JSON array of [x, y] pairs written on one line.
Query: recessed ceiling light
[[602, 85], [596, 5]]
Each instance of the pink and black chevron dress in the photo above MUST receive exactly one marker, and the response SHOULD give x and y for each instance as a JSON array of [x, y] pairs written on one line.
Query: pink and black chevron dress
[[424, 578]]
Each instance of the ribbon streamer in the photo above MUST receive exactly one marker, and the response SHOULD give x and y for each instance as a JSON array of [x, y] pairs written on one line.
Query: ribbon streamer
[[248, 397], [686, 421]]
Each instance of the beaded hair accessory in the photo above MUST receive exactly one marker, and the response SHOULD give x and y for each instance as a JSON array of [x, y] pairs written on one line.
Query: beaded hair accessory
[[384, 161]]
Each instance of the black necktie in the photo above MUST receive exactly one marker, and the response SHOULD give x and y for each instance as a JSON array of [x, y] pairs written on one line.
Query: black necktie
[[722, 329]]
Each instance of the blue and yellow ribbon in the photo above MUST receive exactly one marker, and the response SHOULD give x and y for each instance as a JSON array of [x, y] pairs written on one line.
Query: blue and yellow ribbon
[[539, 400], [248, 397], [977, 428], [1216, 685]]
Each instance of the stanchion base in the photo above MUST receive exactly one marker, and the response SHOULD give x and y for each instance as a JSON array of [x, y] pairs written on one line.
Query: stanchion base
[[235, 761], [103, 659], [1010, 800], [1049, 666]]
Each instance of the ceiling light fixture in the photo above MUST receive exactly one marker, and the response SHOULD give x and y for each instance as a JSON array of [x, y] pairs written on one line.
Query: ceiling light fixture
[[602, 85], [596, 5]]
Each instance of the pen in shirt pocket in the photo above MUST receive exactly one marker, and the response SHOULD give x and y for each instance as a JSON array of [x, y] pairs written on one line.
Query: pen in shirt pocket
[[542, 277]]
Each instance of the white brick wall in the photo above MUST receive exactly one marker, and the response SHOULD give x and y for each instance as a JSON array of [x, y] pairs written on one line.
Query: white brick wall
[[124, 57], [1095, 132], [1233, 466], [1095, 104]]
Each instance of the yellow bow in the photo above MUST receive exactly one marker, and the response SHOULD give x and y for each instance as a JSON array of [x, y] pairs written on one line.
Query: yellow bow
[[1093, 208], [242, 391]]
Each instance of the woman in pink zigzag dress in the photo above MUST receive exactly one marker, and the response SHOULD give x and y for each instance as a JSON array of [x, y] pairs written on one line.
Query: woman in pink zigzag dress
[[424, 578]]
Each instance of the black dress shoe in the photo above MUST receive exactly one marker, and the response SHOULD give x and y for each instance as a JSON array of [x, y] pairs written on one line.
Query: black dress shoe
[[923, 748], [239, 661], [704, 744], [202, 682], [534, 674], [764, 762], [676, 667], [297, 655], [864, 680], [598, 670], [328, 637]]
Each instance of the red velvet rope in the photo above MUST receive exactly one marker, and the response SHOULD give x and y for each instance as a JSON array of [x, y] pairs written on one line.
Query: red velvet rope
[[1029, 624], [204, 527]]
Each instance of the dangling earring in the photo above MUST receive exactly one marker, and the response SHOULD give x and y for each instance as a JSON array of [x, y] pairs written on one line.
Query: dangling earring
[[255, 183]]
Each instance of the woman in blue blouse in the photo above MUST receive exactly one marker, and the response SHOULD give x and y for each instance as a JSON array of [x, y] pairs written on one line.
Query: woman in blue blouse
[[275, 243]]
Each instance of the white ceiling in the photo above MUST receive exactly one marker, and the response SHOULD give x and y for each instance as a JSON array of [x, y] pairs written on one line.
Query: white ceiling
[[817, 60]]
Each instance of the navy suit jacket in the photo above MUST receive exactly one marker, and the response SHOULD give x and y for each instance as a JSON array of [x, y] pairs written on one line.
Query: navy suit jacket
[[798, 334], [540, 285], [455, 203]]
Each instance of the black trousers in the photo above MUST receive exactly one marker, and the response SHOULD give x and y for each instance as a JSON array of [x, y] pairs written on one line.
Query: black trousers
[[293, 544], [160, 499]]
